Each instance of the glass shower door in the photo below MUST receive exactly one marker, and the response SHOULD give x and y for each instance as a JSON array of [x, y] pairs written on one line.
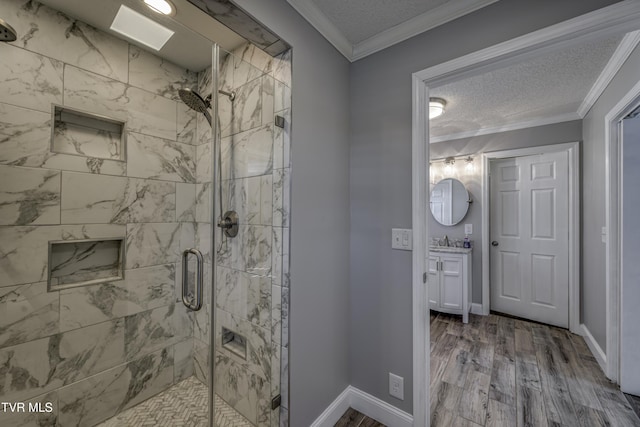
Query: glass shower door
[[249, 342]]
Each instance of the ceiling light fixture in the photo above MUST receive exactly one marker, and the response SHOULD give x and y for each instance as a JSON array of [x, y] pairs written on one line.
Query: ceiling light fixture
[[436, 107], [163, 7], [138, 27]]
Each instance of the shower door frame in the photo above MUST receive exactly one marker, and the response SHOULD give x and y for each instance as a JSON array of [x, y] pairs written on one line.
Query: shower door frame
[[216, 140]]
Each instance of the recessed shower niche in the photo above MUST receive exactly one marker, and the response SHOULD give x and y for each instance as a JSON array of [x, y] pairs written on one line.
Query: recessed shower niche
[[84, 262], [85, 134]]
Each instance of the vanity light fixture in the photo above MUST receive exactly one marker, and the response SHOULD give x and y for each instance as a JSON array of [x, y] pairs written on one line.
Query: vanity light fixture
[[449, 162], [163, 7], [436, 107], [469, 166], [138, 27]]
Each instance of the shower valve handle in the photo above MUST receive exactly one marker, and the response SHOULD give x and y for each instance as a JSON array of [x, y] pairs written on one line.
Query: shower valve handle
[[229, 223]]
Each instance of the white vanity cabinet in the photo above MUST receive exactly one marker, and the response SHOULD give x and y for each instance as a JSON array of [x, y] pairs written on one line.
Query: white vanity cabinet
[[450, 280]]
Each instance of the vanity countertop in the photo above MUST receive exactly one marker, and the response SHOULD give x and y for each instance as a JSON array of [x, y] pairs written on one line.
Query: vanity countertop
[[450, 249]]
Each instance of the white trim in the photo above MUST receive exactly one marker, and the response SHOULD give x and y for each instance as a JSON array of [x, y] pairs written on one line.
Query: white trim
[[573, 150], [476, 308], [486, 267], [420, 307], [334, 411], [622, 52], [320, 22], [619, 17], [365, 403], [508, 127], [417, 25], [594, 347], [613, 224]]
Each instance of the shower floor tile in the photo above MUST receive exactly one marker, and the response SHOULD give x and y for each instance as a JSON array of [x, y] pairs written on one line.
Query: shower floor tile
[[182, 405]]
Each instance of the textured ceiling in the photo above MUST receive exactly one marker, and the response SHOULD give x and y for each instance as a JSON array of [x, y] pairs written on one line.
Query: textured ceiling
[[551, 85], [185, 48], [360, 19]]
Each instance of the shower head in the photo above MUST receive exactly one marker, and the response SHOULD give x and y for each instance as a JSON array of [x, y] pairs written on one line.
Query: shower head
[[194, 100], [7, 33]]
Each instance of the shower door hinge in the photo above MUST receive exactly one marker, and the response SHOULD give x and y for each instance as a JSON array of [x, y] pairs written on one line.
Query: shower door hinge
[[275, 402]]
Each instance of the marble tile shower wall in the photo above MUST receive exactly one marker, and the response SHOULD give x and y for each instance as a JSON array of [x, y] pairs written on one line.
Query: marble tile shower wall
[[92, 350], [252, 287]]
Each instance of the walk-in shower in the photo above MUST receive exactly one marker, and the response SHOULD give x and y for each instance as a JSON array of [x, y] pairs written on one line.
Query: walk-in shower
[[119, 294]]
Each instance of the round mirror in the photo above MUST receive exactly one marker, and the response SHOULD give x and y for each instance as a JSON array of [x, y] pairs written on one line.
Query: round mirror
[[449, 201]]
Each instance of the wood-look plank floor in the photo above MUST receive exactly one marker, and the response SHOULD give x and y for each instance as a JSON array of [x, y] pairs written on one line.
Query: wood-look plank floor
[[500, 371], [497, 371], [353, 418]]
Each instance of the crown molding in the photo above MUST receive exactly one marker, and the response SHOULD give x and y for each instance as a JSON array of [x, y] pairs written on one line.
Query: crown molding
[[614, 19], [508, 127], [622, 52], [401, 32], [320, 22], [417, 25]]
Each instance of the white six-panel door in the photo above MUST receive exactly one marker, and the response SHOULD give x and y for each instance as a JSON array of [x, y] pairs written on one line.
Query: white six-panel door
[[529, 213]]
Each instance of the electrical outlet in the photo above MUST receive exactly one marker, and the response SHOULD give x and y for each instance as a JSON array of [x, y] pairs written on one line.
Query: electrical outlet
[[396, 386], [468, 229]]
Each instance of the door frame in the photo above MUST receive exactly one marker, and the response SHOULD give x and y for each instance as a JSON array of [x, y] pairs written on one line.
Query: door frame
[[573, 151], [623, 16], [613, 227]]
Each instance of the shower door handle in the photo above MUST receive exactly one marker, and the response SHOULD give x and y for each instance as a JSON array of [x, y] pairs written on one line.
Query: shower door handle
[[193, 302]]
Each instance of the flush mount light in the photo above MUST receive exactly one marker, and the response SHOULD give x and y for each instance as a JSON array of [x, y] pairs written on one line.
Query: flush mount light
[[138, 27], [436, 107], [161, 6]]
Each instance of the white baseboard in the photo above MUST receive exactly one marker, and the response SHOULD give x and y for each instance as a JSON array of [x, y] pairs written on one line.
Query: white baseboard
[[365, 403], [595, 348], [476, 308], [334, 411]]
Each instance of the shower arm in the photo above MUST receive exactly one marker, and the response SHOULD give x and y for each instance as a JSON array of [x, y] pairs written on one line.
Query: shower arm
[[231, 95]]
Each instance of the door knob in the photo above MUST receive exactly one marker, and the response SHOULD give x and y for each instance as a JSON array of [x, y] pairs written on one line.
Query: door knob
[[494, 243]]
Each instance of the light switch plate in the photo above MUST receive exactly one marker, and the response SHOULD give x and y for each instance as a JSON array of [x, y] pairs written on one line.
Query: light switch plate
[[401, 238], [468, 229]]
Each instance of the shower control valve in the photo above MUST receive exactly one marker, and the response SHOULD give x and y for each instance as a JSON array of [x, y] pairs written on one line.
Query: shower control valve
[[229, 223]]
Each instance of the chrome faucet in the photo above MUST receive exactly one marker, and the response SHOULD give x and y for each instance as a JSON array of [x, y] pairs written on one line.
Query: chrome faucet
[[446, 241]]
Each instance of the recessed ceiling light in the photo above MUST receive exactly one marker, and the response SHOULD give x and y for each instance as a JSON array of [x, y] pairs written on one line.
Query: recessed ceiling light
[[138, 27], [436, 107], [161, 6]]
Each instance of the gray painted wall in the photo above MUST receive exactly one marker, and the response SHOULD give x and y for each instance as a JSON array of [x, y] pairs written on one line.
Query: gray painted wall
[[536, 136], [593, 199], [380, 180], [319, 342]]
